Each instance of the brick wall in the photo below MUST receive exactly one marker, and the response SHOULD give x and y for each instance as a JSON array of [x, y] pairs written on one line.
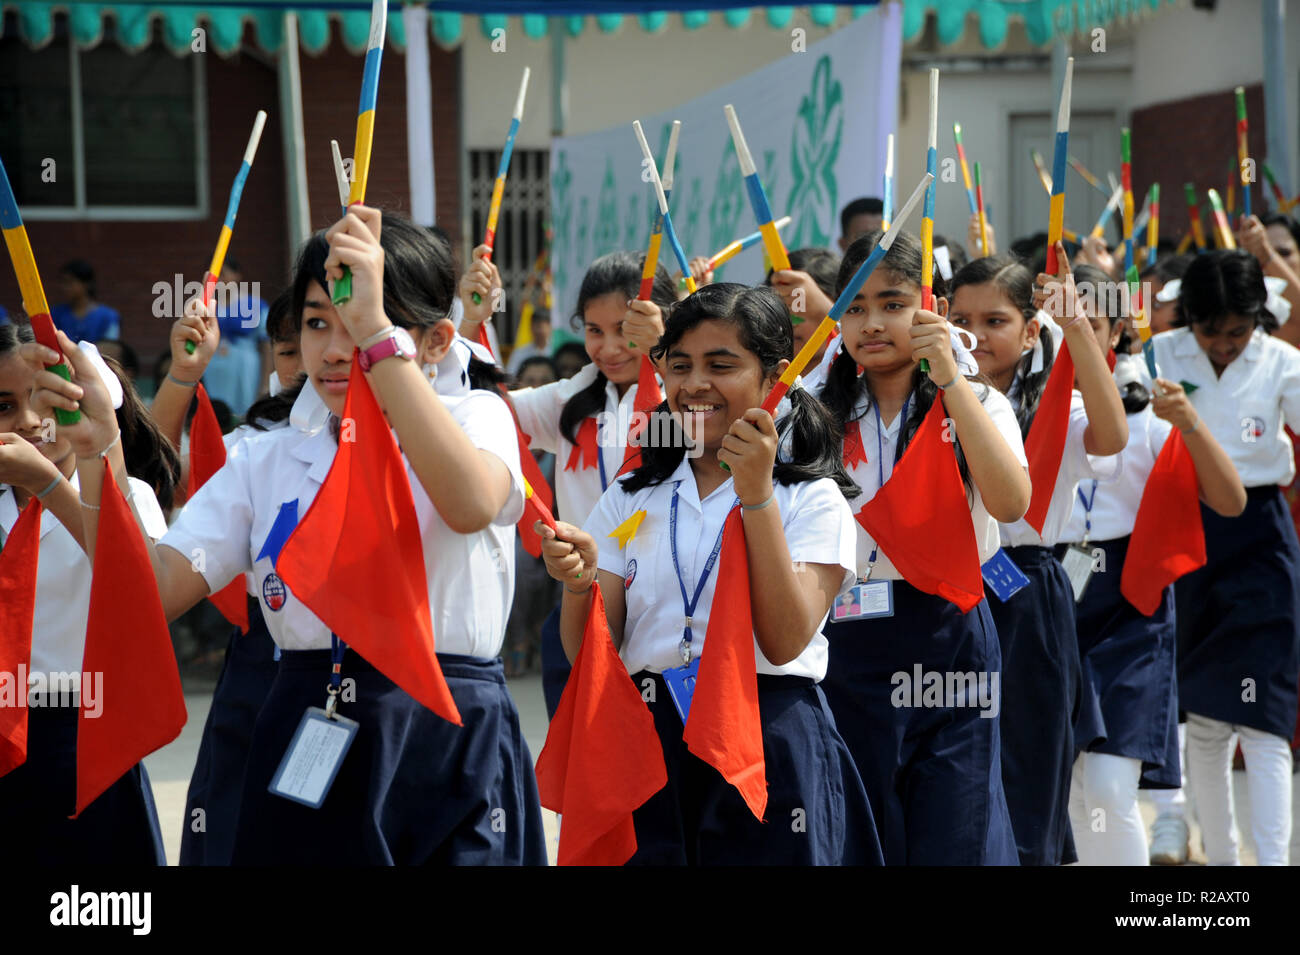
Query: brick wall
[[1191, 140], [129, 257]]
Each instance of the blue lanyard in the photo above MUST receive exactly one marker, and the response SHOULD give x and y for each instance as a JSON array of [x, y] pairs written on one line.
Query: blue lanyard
[[600, 457], [337, 649], [880, 458], [689, 603], [1087, 509]]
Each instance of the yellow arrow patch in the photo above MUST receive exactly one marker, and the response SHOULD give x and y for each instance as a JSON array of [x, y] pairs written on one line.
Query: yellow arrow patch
[[627, 530]]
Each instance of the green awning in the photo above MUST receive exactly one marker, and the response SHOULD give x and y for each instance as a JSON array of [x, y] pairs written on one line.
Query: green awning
[[1043, 19]]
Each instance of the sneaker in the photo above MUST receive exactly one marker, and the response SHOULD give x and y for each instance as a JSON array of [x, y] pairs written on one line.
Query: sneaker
[[1169, 840]]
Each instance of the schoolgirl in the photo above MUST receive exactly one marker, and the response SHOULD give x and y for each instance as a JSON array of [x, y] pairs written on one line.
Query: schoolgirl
[[121, 826], [1238, 617], [583, 420], [933, 772], [412, 788], [722, 351], [1127, 731], [995, 300]]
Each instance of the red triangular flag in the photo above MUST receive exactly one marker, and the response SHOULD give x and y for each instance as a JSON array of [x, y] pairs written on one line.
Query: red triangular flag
[[18, 562], [723, 727], [356, 558], [602, 757], [536, 480], [1168, 538], [930, 539], [207, 457], [584, 452], [854, 453], [1046, 441], [485, 341], [648, 397], [129, 651]]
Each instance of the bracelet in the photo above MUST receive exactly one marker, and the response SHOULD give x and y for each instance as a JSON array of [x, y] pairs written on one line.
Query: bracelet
[[1193, 427], [957, 377], [376, 337], [176, 381], [94, 507], [102, 454], [580, 593], [53, 484], [758, 507]]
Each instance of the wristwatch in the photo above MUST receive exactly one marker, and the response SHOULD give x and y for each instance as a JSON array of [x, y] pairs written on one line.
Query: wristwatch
[[397, 342]]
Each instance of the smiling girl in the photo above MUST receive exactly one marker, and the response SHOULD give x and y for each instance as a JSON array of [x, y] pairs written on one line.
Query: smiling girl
[[722, 351], [1238, 617]]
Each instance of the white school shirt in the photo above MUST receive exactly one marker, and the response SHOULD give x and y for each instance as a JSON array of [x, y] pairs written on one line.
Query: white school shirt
[[63, 575], [818, 529], [1115, 507], [470, 576], [867, 477], [576, 491], [1246, 408], [1077, 465]]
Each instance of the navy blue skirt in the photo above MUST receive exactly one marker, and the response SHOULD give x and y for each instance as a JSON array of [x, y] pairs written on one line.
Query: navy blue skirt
[[1040, 699], [120, 828], [932, 767], [817, 811], [555, 665], [208, 837], [1238, 619], [413, 789], [1130, 693]]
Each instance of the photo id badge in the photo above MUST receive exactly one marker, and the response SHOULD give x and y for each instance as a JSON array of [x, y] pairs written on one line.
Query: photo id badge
[[1002, 575], [1078, 563], [864, 601], [314, 757], [681, 686]]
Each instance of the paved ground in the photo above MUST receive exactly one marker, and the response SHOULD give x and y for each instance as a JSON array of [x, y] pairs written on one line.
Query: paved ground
[[170, 769]]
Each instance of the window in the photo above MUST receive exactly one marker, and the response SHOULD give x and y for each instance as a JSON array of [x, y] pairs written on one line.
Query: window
[[102, 133]]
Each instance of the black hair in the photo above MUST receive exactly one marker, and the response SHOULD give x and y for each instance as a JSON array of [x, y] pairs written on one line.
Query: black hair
[[129, 360], [763, 327], [615, 273], [822, 265], [12, 335], [1017, 284], [83, 272], [571, 348], [1168, 268], [844, 386], [956, 252], [865, 206], [1220, 283], [1031, 251], [419, 283], [1286, 222], [281, 326], [535, 360], [1134, 394]]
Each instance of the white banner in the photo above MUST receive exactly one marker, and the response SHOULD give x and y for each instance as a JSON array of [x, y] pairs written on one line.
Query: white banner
[[815, 121]]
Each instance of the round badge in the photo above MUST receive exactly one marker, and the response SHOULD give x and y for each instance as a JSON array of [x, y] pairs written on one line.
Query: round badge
[[631, 574], [1257, 426], [273, 591]]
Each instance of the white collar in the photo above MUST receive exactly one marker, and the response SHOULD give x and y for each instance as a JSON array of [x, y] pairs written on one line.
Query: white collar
[[309, 413]]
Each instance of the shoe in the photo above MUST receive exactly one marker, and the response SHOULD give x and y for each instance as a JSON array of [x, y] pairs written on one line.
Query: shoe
[[1169, 840]]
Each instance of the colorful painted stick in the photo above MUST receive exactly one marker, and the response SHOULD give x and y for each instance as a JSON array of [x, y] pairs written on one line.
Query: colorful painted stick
[[340, 174], [342, 290], [1222, 231], [228, 226], [888, 210], [663, 208], [29, 284], [1116, 199], [979, 209], [757, 197], [1056, 214], [1283, 203], [499, 187], [733, 249], [965, 172], [1126, 180], [1044, 176], [1194, 214], [657, 232], [927, 210], [1153, 230], [1243, 150], [1088, 177]]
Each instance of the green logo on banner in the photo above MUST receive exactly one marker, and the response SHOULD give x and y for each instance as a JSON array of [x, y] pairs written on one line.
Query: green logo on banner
[[560, 215], [607, 233], [814, 148]]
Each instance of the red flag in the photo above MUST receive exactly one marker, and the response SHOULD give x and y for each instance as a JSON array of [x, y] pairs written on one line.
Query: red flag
[[1168, 538], [723, 727], [207, 457], [18, 563], [533, 475], [1046, 441], [602, 757], [930, 539], [356, 558], [648, 397], [854, 453], [129, 650], [484, 340], [584, 452]]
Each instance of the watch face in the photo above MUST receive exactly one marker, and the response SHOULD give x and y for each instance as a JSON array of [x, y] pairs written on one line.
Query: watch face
[[405, 343]]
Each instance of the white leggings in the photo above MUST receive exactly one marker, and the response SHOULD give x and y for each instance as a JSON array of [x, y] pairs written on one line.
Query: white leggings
[[1174, 801], [1104, 813], [1210, 745]]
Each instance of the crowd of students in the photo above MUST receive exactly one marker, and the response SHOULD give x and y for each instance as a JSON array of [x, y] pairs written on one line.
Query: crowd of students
[[1076, 698]]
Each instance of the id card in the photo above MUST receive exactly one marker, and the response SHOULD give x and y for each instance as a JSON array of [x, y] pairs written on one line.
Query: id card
[[1078, 564], [681, 686], [1002, 575], [864, 601], [313, 758]]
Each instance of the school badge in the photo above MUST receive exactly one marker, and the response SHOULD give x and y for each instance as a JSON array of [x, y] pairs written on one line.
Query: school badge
[[273, 591]]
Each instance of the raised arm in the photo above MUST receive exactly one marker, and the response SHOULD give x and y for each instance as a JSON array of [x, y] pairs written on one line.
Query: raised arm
[[175, 392]]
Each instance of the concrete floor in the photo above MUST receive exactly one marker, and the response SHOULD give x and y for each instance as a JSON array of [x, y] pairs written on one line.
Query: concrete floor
[[171, 766]]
